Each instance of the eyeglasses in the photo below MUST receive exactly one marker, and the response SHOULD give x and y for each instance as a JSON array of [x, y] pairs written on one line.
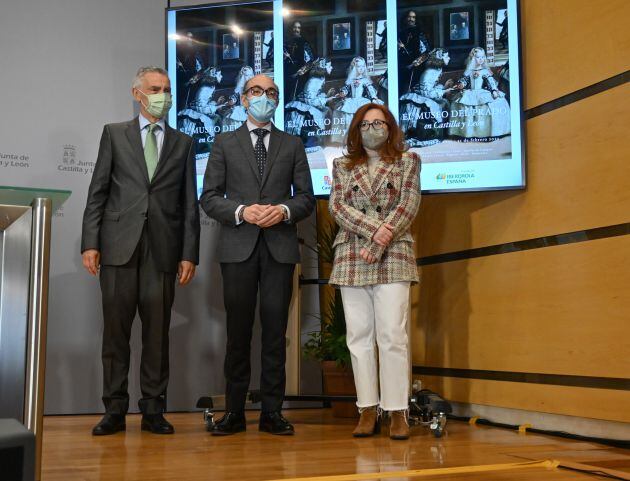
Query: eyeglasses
[[376, 125], [257, 91]]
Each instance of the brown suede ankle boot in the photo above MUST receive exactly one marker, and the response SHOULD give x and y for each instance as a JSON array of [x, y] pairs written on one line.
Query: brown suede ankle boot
[[398, 425], [369, 423]]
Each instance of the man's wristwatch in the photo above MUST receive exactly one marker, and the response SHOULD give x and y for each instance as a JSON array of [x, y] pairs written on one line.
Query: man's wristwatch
[[241, 215], [285, 213]]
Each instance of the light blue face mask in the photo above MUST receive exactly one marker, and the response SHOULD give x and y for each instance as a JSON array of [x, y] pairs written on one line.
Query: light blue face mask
[[262, 108]]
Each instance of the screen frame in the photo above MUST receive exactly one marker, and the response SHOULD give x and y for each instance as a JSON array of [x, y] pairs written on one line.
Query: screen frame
[[521, 88]]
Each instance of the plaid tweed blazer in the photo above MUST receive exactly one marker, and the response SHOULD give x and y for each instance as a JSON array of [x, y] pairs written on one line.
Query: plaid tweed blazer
[[360, 205]]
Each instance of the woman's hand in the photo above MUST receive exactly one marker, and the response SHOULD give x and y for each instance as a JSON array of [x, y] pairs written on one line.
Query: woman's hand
[[384, 235], [366, 256]]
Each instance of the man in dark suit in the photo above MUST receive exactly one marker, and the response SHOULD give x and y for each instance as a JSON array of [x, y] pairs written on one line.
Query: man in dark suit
[[412, 43], [247, 188], [297, 52], [141, 231]]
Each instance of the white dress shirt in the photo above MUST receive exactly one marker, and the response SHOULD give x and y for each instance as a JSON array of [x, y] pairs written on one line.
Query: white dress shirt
[[159, 133], [251, 127]]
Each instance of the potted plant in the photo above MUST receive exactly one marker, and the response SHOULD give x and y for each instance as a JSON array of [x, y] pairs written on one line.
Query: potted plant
[[328, 345]]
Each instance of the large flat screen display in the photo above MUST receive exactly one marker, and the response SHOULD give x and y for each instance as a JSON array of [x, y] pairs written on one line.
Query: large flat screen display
[[449, 70]]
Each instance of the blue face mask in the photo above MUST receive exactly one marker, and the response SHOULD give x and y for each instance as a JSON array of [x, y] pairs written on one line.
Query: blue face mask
[[262, 108]]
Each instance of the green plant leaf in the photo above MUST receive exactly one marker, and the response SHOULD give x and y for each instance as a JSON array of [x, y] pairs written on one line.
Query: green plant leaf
[[325, 240], [329, 344]]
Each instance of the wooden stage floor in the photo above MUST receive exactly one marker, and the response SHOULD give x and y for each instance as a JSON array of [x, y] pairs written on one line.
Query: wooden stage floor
[[322, 449]]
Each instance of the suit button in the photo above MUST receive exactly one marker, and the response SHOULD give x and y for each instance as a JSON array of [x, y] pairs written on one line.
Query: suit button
[[390, 185], [355, 188], [378, 209], [360, 237], [363, 210]]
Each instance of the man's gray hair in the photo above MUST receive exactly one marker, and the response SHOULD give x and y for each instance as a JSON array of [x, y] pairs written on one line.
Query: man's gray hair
[[142, 71]]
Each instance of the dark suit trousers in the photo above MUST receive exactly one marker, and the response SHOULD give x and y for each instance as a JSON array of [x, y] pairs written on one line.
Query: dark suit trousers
[[136, 286], [241, 282]]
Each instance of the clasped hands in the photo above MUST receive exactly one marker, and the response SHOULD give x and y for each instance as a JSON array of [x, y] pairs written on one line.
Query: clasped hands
[[383, 236], [263, 215]]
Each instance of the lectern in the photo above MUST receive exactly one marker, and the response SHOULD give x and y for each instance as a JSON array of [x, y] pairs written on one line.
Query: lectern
[[25, 218]]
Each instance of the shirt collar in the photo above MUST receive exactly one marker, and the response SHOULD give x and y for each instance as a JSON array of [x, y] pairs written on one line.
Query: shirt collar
[[251, 126], [144, 122]]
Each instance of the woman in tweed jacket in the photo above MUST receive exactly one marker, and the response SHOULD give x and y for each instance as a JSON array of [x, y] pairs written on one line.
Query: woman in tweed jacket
[[374, 199]]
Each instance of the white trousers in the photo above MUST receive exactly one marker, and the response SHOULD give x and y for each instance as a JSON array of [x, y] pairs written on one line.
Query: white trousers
[[376, 317]]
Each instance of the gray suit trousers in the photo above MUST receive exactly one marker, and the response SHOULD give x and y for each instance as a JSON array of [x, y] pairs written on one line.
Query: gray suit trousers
[[137, 286]]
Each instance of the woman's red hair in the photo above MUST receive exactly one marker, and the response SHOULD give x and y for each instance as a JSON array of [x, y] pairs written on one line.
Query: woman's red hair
[[391, 151]]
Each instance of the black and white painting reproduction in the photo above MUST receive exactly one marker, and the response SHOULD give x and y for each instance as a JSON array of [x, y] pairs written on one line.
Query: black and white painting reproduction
[[459, 26], [335, 61], [341, 36], [453, 80], [218, 50], [231, 47]]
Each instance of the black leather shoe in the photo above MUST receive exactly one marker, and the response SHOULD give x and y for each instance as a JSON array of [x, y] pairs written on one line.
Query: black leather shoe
[[156, 424], [275, 423], [230, 423], [110, 424]]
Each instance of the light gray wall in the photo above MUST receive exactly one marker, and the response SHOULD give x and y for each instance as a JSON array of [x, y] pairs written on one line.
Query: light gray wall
[[67, 67]]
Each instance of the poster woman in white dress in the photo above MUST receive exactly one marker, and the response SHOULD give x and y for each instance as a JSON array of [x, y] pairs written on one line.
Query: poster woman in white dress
[[424, 108], [479, 110], [236, 114], [306, 115], [357, 91]]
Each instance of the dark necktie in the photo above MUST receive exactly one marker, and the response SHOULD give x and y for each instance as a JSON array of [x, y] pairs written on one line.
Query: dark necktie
[[259, 149]]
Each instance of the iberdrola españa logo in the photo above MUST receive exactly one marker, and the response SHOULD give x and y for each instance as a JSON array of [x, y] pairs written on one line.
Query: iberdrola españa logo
[[440, 177]]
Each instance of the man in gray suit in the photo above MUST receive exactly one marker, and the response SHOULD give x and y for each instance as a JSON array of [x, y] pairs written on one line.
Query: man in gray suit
[[141, 231], [258, 186]]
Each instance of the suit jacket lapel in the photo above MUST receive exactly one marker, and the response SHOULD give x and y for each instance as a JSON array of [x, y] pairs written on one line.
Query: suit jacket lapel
[[167, 146], [135, 141], [382, 172], [362, 176], [245, 141], [275, 140]]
